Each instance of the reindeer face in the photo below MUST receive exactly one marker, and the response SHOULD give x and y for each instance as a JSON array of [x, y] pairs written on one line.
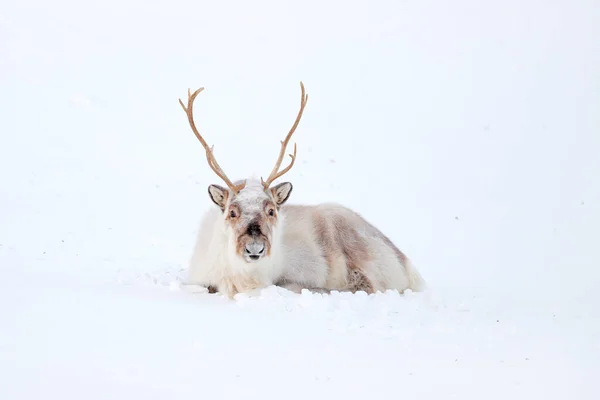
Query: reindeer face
[[251, 216]]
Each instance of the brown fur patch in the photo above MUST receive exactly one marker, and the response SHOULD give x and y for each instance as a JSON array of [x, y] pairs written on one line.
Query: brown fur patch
[[340, 241], [326, 238], [212, 289], [265, 226], [233, 219], [359, 282], [399, 254], [267, 205]]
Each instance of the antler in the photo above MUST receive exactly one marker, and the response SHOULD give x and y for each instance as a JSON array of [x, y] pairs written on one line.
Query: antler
[[212, 162], [275, 173]]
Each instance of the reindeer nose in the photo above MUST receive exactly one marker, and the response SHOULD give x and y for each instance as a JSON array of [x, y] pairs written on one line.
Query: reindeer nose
[[255, 250]]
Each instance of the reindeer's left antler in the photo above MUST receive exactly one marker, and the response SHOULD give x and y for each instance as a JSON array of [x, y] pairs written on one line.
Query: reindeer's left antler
[[275, 173]]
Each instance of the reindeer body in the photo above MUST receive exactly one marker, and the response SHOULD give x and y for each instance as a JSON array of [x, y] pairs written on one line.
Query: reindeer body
[[318, 247], [253, 239]]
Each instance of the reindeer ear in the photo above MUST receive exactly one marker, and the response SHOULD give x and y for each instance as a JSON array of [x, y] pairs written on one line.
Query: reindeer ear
[[281, 192], [218, 195]]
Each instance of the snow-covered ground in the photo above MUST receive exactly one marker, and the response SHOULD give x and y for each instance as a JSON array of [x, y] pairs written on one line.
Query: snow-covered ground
[[476, 124]]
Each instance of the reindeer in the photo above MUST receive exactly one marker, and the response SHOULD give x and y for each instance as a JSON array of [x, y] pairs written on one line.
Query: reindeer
[[253, 239]]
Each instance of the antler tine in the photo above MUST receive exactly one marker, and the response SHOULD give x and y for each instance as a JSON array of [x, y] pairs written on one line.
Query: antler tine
[[212, 161], [275, 173]]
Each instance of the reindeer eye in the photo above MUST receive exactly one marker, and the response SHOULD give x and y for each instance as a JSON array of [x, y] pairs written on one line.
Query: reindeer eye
[[271, 212]]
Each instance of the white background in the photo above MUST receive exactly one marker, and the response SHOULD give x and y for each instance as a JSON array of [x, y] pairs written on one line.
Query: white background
[[468, 132]]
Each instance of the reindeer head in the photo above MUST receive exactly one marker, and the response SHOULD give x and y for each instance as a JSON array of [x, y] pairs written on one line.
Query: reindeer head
[[251, 216], [250, 209]]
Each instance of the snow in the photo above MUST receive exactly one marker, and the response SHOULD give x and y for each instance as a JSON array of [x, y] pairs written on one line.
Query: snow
[[466, 131]]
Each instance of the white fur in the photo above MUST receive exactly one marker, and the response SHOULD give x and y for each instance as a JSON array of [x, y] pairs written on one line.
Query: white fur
[[214, 261], [297, 257]]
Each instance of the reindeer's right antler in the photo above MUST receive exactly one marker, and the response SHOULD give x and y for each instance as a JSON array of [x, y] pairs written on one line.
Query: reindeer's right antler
[[212, 162], [275, 173]]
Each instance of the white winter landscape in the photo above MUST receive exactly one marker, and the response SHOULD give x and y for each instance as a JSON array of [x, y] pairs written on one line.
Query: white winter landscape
[[468, 132]]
